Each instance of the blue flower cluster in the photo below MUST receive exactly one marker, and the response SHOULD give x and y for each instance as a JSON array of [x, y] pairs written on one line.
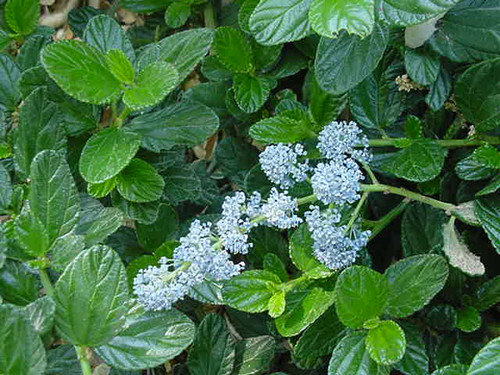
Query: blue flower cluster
[[205, 252]]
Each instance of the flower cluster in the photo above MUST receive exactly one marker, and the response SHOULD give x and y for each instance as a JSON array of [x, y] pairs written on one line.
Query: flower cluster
[[280, 210], [281, 164], [336, 246], [338, 140]]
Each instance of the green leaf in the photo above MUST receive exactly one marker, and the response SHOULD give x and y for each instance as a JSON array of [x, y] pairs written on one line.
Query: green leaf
[[121, 67], [153, 83], [213, 69], [29, 54], [254, 355], [452, 370], [9, 83], [181, 184], [323, 106], [422, 65], [413, 282], [31, 235], [41, 314], [469, 319], [17, 285], [22, 15], [265, 57], [487, 361], [488, 294], [177, 14], [64, 250], [53, 196], [488, 211], [145, 213], [105, 34], [488, 156], [63, 360], [350, 357], [97, 222], [280, 21], [453, 38], [107, 153], [233, 49], [277, 304], [421, 161], [411, 12], [139, 182], [361, 294], [334, 75], [165, 228], [5, 188], [251, 291], [304, 304], [251, 92], [442, 317], [471, 169], [80, 70], [91, 297], [415, 360], [21, 350], [328, 17], [211, 94], [279, 129], [184, 123], [439, 91], [101, 189], [185, 49], [492, 187], [148, 340], [39, 129], [244, 13], [476, 94], [301, 254], [321, 337], [213, 350], [144, 6], [386, 343]]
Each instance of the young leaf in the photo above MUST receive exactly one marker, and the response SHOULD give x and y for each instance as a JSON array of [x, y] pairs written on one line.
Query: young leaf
[[106, 153], [184, 123], [22, 15], [53, 195], [350, 356], [148, 340], [251, 92], [139, 182], [31, 235], [233, 49], [21, 350], [413, 282], [361, 294], [487, 361], [80, 70], [280, 21], [277, 304], [121, 67], [101, 189], [153, 83], [105, 34], [213, 350], [91, 297], [328, 17], [386, 343], [251, 291], [363, 55], [488, 211]]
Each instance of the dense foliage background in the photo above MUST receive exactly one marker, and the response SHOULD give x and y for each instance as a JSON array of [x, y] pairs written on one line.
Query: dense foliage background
[[122, 121]]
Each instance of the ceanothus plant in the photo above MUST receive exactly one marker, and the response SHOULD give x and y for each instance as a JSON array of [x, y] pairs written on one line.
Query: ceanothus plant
[[283, 187]]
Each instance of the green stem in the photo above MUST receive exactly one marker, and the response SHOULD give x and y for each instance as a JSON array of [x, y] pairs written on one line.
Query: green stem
[[120, 119], [381, 188], [368, 170], [442, 142], [289, 285], [81, 351], [384, 221], [355, 213], [209, 16], [47, 284]]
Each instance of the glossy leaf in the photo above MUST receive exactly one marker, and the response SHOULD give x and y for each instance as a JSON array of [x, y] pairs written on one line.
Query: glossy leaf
[[139, 182], [410, 12], [487, 360], [386, 343], [488, 211]]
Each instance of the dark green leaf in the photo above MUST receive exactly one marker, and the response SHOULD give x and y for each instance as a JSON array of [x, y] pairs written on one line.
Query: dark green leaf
[[213, 69], [107, 153], [213, 351], [488, 212], [233, 49], [91, 297], [452, 370], [422, 65], [29, 54], [184, 123], [5, 188], [410, 12], [139, 182], [488, 294], [325, 107], [63, 361], [439, 91], [279, 129], [105, 34], [469, 319], [333, 72], [181, 184], [177, 14], [328, 17], [250, 291], [41, 314], [64, 250], [21, 350], [9, 83], [386, 343], [144, 6], [488, 156], [145, 213], [251, 92], [280, 21], [254, 355], [163, 229], [413, 282], [22, 15], [471, 169], [211, 94], [148, 340], [17, 285], [53, 195], [415, 360], [80, 70], [350, 357]]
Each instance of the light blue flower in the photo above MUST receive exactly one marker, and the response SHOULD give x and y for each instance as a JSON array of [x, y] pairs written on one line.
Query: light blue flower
[[280, 210], [338, 140]]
